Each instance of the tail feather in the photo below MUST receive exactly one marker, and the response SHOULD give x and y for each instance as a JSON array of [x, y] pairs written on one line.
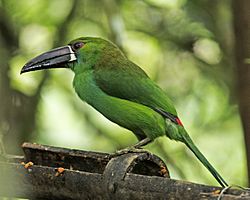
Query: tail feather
[[188, 141]]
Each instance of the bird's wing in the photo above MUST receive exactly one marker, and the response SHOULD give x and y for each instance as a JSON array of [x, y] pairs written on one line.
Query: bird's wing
[[130, 82]]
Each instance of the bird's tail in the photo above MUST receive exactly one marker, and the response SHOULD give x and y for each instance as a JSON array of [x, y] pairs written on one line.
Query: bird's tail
[[188, 141]]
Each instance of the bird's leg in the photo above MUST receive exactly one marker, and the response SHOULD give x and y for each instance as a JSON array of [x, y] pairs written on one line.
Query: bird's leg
[[133, 149], [141, 143]]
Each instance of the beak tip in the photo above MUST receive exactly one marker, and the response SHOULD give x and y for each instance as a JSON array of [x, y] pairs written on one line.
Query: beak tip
[[23, 70]]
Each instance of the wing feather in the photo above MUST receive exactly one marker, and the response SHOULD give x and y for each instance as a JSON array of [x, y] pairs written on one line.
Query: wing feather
[[126, 80]]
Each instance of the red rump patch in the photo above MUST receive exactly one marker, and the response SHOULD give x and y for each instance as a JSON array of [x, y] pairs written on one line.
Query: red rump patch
[[179, 121]]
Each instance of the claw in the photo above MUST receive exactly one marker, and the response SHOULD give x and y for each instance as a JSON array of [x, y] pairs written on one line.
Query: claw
[[224, 190], [133, 149], [127, 150]]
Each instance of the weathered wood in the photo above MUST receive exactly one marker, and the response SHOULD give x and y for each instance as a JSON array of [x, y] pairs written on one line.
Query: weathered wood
[[94, 162], [68, 158], [111, 178]]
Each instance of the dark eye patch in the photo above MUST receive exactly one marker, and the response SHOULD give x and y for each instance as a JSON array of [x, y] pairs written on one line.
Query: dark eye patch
[[77, 45]]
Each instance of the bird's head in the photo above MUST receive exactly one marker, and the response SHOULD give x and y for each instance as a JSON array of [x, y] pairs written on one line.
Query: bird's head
[[80, 54]]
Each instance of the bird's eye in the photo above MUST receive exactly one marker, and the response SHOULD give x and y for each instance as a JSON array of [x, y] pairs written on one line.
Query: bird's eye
[[77, 46]]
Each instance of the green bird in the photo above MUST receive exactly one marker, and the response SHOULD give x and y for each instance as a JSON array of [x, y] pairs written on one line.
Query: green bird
[[119, 89]]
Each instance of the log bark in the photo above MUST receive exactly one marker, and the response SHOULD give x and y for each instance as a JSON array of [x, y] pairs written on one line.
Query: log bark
[[92, 175]]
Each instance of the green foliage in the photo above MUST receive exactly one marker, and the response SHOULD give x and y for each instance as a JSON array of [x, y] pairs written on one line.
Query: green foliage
[[180, 44]]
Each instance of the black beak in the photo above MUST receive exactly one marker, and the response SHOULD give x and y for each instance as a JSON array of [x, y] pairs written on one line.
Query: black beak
[[55, 58]]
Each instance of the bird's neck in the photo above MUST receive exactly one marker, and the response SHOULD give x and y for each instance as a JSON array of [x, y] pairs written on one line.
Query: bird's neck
[[112, 108], [88, 91]]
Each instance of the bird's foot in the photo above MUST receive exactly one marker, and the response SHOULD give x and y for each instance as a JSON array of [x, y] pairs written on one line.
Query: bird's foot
[[127, 150], [133, 149], [130, 150], [225, 189]]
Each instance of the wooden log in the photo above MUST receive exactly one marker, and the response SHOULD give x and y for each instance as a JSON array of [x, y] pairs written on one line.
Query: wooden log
[[91, 175]]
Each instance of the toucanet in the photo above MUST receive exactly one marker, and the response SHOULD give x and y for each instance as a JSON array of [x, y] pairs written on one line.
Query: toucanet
[[119, 89]]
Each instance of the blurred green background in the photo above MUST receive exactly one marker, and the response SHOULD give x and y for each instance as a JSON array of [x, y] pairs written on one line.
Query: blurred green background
[[186, 46]]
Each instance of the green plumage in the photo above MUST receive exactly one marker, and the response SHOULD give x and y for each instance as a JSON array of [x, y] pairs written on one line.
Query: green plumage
[[140, 119], [123, 93], [120, 90]]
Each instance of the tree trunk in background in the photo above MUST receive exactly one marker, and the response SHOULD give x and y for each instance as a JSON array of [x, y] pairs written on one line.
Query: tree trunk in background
[[241, 11], [17, 110], [13, 127]]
